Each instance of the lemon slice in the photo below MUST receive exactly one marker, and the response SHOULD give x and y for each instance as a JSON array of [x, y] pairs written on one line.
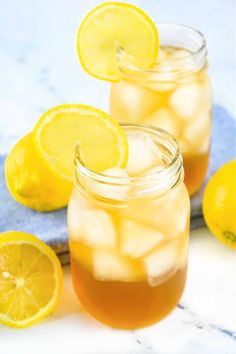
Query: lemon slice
[[30, 181], [30, 279], [101, 141], [110, 26]]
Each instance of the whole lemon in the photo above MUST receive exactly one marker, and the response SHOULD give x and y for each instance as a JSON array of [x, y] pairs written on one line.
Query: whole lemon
[[219, 204], [29, 180]]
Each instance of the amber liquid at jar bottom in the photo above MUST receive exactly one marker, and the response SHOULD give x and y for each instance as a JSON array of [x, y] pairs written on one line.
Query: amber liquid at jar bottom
[[127, 304], [129, 263], [195, 168], [181, 106]]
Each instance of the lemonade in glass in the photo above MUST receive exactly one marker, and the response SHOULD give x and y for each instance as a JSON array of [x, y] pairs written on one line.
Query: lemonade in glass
[[173, 94], [129, 232]]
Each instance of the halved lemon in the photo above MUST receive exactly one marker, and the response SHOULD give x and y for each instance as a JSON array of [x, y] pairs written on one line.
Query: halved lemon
[[110, 26], [31, 182], [30, 279], [101, 141]]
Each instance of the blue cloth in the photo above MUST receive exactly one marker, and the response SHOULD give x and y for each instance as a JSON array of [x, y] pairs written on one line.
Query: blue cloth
[[51, 227], [223, 149]]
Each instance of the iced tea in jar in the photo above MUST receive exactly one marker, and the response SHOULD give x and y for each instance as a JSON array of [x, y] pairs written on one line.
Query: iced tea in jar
[[129, 232], [173, 94]]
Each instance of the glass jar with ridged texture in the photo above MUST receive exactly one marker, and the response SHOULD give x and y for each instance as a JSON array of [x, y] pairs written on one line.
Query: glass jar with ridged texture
[[128, 238], [174, 94]]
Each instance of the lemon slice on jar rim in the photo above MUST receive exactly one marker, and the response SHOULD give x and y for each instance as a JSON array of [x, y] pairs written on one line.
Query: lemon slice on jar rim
[[102, 142], [108, 27]]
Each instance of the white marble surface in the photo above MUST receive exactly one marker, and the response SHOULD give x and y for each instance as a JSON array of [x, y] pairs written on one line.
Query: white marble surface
[[204, 322], [39, 69]]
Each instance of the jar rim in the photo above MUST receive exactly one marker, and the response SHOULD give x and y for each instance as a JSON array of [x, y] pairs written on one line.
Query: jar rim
[[197, 55], [172, 172]]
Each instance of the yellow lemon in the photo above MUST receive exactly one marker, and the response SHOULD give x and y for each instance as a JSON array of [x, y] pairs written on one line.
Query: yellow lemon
[[30, 279], [29, 180], [219, 204], [101, 142], [112, 26]]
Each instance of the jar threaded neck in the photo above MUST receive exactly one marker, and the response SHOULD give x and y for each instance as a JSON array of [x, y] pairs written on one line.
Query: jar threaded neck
[[156, 183]]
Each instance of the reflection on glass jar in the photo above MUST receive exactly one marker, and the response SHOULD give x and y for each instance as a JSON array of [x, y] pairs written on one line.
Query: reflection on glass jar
[[173, 94], [129, 232]]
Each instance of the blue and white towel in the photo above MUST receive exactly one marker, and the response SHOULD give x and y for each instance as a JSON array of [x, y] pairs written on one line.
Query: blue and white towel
[[51, 227]]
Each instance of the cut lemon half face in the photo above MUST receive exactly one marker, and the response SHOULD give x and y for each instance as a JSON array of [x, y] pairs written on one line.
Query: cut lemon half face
[[30, 279], [111, 26], [101, 142]]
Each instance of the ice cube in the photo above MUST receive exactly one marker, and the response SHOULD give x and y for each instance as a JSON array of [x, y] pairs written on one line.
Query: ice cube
[[138, 239], [207, 94], [143, 154], [184, 62], [161, 262], [131, 102], [75, 222], [161, 86], [198, 132], [110, 266], [95, 228], [112, 191], [179, 54], [186, 100], [181, 219], [177, 206], [77, 204], [164, 119], [185, 145], [162, 79], [183, 253], [162, 55], [204, 147], [168, 214], [190, 149], [78, 200]]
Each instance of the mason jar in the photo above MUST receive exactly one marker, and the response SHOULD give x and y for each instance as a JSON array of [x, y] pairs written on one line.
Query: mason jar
[[128, 238], [174, 94]]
